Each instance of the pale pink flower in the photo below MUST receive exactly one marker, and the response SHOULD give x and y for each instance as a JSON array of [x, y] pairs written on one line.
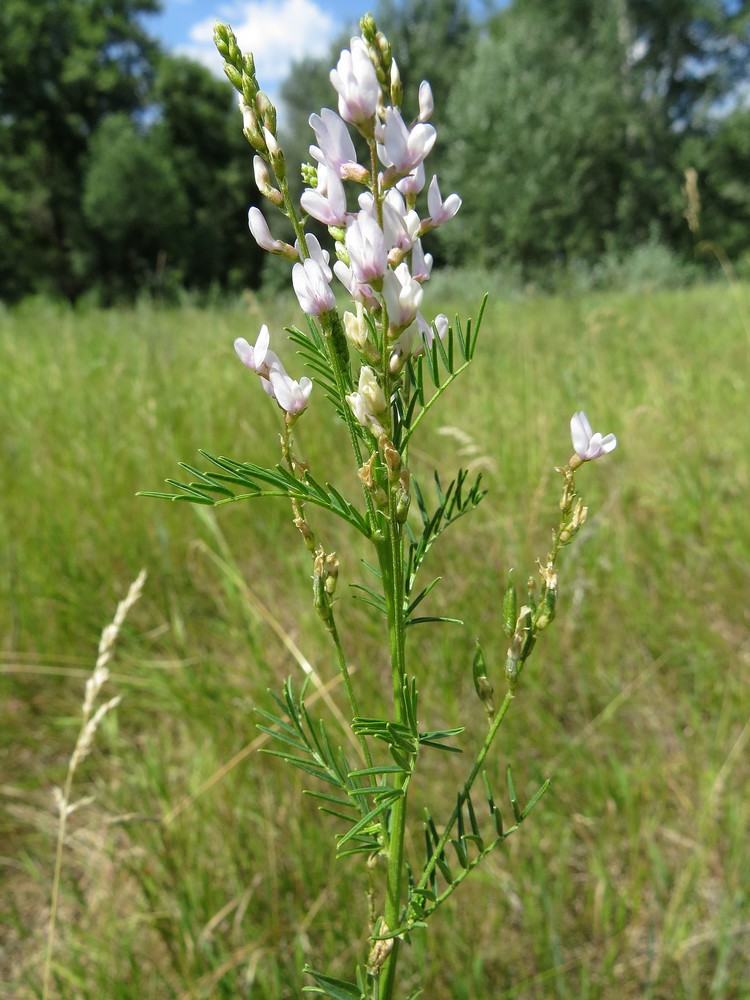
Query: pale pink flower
[[335, 146], [326, 202], [427, 330], [587, 444], [421, 263], [312, 287], [403, 149], [412, 184], [359, 291], [403, 297], [365, 245], [426, 102], [316, 252]]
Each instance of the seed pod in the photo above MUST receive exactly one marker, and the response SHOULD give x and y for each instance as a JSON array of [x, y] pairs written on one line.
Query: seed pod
[[482, 686], [510, 609]]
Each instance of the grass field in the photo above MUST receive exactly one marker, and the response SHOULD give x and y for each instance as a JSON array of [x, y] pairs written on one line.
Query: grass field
[[199, 870]]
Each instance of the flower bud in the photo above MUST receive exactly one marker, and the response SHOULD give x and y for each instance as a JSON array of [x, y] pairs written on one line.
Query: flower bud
[[371, 392], [234, 76], [397, 90], [266, 110], [356, 329], [426, 101]]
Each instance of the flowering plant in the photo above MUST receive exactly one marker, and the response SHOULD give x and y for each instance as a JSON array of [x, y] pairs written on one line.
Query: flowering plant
[[382, 366]]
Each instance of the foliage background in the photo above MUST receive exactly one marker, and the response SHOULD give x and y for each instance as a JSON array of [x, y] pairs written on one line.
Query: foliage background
[[567, 128], [124, 182]]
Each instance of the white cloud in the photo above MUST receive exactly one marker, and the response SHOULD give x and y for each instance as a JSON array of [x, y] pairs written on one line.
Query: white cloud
[[276, 33]]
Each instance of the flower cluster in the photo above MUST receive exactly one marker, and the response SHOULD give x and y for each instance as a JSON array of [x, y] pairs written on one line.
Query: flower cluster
[[291, 396], [377, 230]]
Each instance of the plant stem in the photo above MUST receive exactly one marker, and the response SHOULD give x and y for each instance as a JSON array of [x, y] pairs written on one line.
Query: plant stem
[[491, 734], [61, 828], [344, 669], [393, 590]]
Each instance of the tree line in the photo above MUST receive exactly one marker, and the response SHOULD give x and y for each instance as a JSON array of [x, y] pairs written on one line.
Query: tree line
[[567, 128]]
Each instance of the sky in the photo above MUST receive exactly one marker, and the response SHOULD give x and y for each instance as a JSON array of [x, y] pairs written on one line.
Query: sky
[[277, 32]]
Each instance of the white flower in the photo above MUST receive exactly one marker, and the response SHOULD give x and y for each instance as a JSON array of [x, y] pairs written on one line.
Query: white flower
[[254, 357], [259, 228], [326, 202], [587, 444], [441, 211], [356, 83], [291, 396], [370, 391], [427, 330]]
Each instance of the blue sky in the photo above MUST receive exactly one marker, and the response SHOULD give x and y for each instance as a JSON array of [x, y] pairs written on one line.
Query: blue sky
[[275, 31]]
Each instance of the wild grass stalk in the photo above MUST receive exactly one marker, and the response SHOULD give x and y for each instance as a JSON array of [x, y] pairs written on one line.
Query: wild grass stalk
[[91, 718]]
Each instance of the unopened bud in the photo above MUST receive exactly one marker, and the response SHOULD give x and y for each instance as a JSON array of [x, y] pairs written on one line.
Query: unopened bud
[[263, 181], [356, 329], [309, 174], [331, 573], [426, 101], [397, 90], [266, 110], [233, 75], [368, 27], [275, 153]]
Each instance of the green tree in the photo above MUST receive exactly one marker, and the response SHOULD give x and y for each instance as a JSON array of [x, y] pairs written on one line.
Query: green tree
[[722, 158], [136, 209], [200, 126], [64, 66], [539, 121]]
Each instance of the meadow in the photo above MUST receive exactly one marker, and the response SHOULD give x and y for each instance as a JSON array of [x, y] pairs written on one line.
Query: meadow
[[199, 870]]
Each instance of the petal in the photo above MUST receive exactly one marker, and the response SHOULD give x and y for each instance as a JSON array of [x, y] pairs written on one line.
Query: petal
[[579, 433]]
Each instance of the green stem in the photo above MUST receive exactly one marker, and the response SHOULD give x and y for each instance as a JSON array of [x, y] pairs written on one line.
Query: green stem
[[394, 596], [442, 842], [343, 667]]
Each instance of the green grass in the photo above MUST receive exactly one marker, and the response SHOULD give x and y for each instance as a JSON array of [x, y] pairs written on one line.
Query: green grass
[[630, 879]]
